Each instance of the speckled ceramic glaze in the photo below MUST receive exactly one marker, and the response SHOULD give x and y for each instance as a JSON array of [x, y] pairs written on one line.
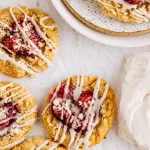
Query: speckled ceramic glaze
[[91, 13]]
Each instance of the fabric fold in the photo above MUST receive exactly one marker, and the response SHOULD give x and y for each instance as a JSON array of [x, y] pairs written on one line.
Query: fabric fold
[[134, 108]]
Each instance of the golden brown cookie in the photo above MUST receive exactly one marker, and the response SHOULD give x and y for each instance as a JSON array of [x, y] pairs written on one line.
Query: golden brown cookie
[[79, 111], [28, 41], [132, 11], [18, 112], [38, 143]]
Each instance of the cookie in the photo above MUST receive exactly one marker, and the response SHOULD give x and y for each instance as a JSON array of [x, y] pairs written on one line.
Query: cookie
[[79, 111], [132, 11], [28, 41], [18, 112], [38, 143]]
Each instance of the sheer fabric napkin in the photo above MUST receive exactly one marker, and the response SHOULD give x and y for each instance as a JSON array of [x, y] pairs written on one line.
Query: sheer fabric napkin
[[134, 108]]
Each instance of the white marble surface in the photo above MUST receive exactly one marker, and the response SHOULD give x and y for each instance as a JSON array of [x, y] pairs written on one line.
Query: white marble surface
[[77, 55]]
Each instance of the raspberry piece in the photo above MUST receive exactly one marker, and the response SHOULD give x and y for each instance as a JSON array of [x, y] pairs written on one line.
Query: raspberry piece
[[12, 111], [4, 125], [10, 44], [85, 99], [15, 42], [60, 93], [70, 111], [9, 110], [133, 1]]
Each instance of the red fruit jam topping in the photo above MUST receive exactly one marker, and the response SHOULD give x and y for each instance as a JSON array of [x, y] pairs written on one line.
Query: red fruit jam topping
[[70, 111], [8, 111], [133, 1], [15, 42]]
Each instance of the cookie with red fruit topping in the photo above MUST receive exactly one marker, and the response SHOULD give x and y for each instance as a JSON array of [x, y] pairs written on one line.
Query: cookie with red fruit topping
[[28, 40], [131, 11], [18, 112], [38, 143], [79, 111]]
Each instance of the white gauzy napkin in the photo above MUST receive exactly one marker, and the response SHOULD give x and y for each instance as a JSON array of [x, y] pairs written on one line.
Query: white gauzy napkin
[[134, 108]]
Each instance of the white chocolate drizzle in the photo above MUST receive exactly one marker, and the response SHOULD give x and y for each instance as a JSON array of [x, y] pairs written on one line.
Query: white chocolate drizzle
[[62, 137], [54, 95], [49, 42], [2, 33], [13, 89], [65, 94], [124, 3], [54, 146], [42, 145], [6, 86], [28, 123], [46, 142], [78, 90], [28, 113], [72, 135], [5, 25], [77, 142], [22, 99], [21, 65], [58, 131], [12, 144], [15, 95], [28, 65], [45, 26]]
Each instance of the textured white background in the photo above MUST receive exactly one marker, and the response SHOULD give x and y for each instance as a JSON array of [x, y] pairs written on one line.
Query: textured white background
[[76, 54]]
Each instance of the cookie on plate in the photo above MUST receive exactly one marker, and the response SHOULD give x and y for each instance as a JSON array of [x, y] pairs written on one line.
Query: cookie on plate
[[28, 39], [79, 111], [132, 11], [38, 143], [18, 112]]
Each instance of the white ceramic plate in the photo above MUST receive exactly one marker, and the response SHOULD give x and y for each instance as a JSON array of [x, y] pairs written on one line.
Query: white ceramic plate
[[120, 41]]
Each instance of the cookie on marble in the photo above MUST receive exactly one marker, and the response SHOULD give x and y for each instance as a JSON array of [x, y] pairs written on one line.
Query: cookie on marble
[[79, 111], [18, 112], [132, 11], [38, 143], [28, 41]]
